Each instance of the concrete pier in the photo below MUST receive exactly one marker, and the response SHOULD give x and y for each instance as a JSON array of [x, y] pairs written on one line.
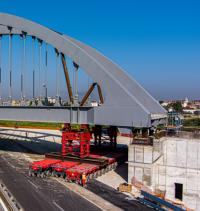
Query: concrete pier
[[170, 161]]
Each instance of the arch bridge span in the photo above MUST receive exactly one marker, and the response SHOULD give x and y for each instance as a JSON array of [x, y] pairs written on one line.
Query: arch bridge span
[[123, 102]]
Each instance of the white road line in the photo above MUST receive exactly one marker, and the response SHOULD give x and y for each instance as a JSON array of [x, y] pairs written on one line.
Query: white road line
[[101, 203], [58, 206], [34, 185], [3, 205], [11, 165]]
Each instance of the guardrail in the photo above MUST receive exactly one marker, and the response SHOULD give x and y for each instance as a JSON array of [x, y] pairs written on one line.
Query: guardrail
[[158, 203], [10, 198]]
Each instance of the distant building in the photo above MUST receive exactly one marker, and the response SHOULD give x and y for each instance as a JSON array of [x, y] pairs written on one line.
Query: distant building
[[94, 103], [185, 103], [165, 103], [189, 111], [197, 112]]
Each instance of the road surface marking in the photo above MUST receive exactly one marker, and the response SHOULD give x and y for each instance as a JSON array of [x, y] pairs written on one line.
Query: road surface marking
[[11, 165], [3, 205], [94, 199], [58, 206], [34, 185]]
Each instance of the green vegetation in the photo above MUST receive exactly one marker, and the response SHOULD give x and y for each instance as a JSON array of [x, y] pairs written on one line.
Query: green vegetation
[[37, 125], [192, 122], [177, 106], [42, 125]]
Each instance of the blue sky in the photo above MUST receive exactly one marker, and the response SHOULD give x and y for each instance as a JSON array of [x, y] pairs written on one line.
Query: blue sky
[[157, 42]]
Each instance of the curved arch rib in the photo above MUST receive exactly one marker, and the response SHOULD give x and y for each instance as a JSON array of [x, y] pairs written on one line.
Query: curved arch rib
[[126, 102]]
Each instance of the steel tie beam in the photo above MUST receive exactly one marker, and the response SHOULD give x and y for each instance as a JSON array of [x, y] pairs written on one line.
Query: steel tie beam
[[83, 101], [69, 88], [88, 93], [100, 94]]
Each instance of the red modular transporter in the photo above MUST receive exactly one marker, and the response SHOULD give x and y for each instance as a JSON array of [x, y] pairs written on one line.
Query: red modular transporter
[[75, 162], [75, 173], [42, 168], [59, 169], [112, 164]]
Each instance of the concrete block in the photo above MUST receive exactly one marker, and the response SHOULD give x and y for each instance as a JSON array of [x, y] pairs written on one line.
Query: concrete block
[[139, 174], [147, 176], [181, 158], [139, 155], [171, 153], [192, 180], [131, 155], [162, 175], [148, 155], [192, 154], [131, 172]]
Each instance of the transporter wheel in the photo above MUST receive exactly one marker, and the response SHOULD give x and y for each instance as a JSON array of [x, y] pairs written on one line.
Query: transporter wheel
[[42, 175], [107, 169], [48, 173], [90, 176], [63, 175], [95, 175], [111, 166], [114, 165], [99, 173], [30, 173], [103, 171]]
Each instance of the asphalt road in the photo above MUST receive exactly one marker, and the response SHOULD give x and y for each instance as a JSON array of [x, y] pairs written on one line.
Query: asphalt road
[[115, 197], [46, 194], [36, 193]]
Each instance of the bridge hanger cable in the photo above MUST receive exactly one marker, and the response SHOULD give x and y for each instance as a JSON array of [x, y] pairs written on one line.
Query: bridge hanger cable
[[0, 68], [33, 63], [76, 67], [40, 57], [57, 80], [59, 76], [22, 65], [10, 66], [46, 67]]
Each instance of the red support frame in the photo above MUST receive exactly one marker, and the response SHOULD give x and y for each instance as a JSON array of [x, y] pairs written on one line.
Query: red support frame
[[70, 146]]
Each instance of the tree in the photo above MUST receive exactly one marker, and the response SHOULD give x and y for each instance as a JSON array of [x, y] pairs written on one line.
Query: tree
[[177, 106]]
